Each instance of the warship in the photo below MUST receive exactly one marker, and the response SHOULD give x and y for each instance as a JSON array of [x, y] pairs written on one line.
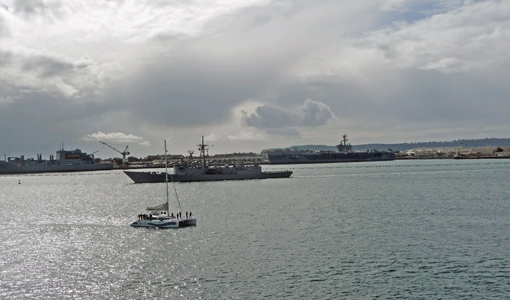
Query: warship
[[64, 161], [189, 172], [344, 154]]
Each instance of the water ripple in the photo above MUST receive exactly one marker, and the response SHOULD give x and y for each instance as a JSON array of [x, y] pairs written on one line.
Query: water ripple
[[392, 230]]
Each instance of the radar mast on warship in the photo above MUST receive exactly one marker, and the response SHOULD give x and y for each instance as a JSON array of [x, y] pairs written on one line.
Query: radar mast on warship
[[344, 147]]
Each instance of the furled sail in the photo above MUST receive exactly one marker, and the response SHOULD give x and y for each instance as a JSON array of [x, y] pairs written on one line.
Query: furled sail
[[163, 206]]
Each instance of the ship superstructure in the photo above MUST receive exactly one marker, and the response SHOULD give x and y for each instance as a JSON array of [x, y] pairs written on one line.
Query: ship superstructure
[[344, 147], [63, 161]]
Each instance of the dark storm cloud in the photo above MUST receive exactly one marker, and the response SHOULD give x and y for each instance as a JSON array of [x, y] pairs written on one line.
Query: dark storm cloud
[[188, 93], [39, 123], [29, 6], [47, 66], [384, 67], [271, 117], [34, 8], [5, 58], [25, 70]]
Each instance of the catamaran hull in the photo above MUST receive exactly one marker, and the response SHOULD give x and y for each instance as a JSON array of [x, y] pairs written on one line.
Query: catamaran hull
[[165, 224], [149, 177]]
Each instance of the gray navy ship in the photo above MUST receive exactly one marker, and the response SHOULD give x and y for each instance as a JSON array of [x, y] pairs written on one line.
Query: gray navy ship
[[65, 161], [344, 154], [189, 172]]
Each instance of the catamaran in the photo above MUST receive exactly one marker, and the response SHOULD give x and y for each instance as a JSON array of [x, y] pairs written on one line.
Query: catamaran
[[159, 216]]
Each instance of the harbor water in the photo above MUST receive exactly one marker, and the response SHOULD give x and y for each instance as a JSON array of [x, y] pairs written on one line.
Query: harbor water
[[424, 229]]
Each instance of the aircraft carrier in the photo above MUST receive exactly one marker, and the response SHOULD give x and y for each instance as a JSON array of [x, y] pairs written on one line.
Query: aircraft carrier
[[344, 154]]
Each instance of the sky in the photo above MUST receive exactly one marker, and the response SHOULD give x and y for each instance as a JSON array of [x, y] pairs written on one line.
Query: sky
[[249, 75]]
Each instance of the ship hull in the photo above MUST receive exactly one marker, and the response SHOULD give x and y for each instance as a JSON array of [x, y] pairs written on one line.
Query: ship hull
[[164, 224], [9, 168], [315, 158], [149, 177]]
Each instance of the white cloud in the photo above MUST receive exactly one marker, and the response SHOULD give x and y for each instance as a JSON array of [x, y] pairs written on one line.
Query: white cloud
[[475, 34], [245, 136], [211, 137], [145, 143], [92, 41], [117, 137], [471, 37], [126, 21], [423, 6], [451, 64], [394, 5]]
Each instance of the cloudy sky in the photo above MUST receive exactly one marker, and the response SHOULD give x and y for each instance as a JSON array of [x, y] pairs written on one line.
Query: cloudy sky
[[249, 74]]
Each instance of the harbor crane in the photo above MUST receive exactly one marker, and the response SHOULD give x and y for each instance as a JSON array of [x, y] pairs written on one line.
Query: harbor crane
[[124, 153], [92, 154]]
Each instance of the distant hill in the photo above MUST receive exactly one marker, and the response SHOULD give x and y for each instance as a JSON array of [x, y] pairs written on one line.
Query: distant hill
[[493, 142]]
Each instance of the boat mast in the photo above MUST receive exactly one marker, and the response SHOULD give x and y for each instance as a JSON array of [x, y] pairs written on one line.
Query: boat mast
[[166, 180], [173, 183]]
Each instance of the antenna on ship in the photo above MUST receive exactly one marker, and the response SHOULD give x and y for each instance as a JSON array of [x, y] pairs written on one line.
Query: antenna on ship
[[344, 147], [203, 147]]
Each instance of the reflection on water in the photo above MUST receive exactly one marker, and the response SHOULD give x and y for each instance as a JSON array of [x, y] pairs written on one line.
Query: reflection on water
[[422, 229]]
